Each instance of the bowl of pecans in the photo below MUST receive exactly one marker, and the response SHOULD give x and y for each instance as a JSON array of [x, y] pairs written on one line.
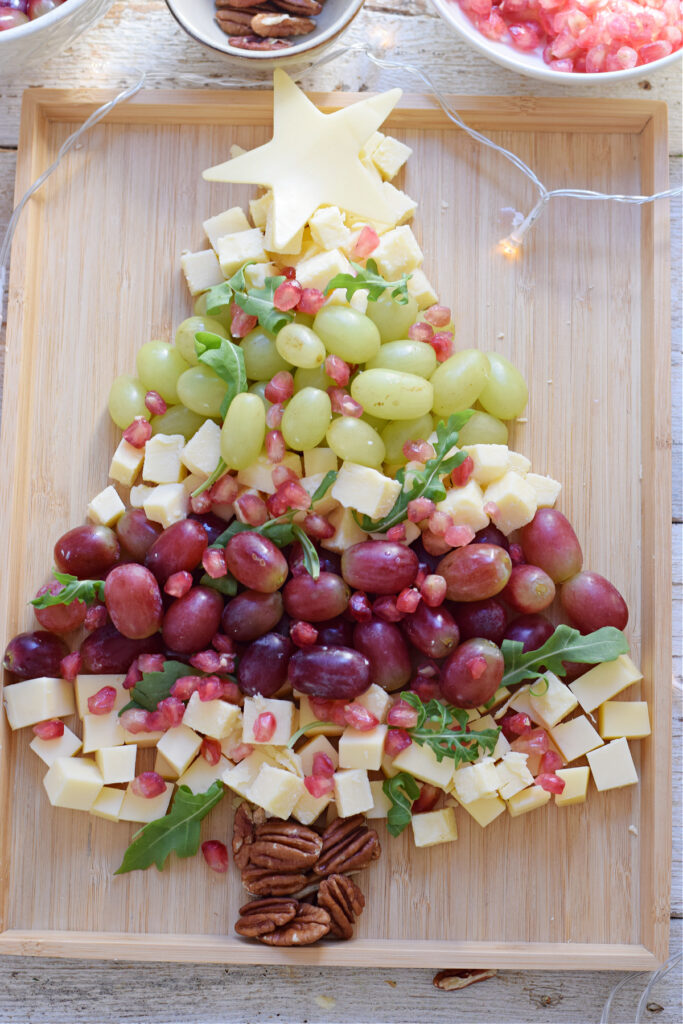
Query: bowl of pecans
[[292, 31]]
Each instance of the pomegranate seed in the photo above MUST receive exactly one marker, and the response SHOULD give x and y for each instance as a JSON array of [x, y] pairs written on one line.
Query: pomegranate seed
[[151, 662], [459, 536], [419, 509], [287, 295], [427, 667], [476, 666], [275, 446], [70, 666], [157, 722], [210, 750], [533, 742], [318, 527], [366, 243], [173, 709], [442, 343], [421, 332], [210, 688], [148, 784], [359, 718], [264, 727], [276, 505], [402, 715], [395, 741], [418, 451], [214, 563], [408, 600], [201, 503], [289, 273], [551, 761], [52, 729], [102, 702], [280, 388], [155, 403], [138, 433], [516, 554], [519, 724], [295, 495], [396, 534], [491, 509], [422, 573], [282, 475], [135, 720], [318, 785], [95, 617], [433, 544], [216, 855], [230, 691], [223, 644], [433, 590], [426, 689], [437, 316], [360, 608], [386, 609], [274, 415], [241, 323], [462, 473], [225, 490], [133, 676], [250, 509], [427, 799], [550, 782], [303, 634], [213, 661], [329, 710], [350, 407], [185, 686], [178, 583], [239, 752], [337, 370], [439, 522], [323, 765], [312, 301]]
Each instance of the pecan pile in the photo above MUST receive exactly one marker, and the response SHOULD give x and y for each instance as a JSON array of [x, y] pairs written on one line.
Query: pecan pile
[[266, 24]]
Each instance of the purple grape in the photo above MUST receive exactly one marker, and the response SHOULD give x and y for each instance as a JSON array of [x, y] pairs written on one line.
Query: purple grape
[[472, 674], [133, 600], [530, 630], [136, 533], [335, 673], [263, 666], [60, 618], [432, 630], [486, 619], [335, 633], [592, 602], [549, 541], [87, 551], [379, 566], [475, 572], [529, 589], [251, 614], [491, 535], [179, 549], [315, 600], [191, 622], [256, 562], [29, 655], [107, 651], [330, 561], [212, 525], [383, 645]]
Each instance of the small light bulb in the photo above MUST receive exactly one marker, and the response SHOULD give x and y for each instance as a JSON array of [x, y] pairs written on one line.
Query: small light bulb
[[510, 246]]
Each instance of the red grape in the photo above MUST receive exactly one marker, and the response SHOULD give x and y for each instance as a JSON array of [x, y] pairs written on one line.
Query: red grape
[[329, 561], [530, 630], [10, 18], [338, 673], [87, 551], [29, 655], [383, 645], [529, 589], [432, 630], [336, 633], [256, 562], [212, 525], [191, 621], [263, 666], [107, 651], [491, 535], [549, 541], [316, 600], [472, 674], [592, 602], [486, 619], [60, 618], [136, 533], [37, 8], [179, 549], [475, 572], [251, 614], [379, 566], [133, 600]]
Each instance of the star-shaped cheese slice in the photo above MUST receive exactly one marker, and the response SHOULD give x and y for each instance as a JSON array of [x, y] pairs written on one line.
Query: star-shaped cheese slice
[[313, 159]]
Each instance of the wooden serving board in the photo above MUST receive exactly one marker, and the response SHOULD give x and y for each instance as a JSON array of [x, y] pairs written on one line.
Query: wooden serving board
[[583, 312]]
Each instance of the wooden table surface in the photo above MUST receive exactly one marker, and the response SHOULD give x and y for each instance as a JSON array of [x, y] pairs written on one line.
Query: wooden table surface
[[141, 35]]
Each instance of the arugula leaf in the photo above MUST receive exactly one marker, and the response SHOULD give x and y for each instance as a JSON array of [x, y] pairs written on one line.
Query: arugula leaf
[[177, 832], [402, 790], [211, 480], [218, 297], [225, 359], [425, 482], [311, 560], [324, 486], [73, 589], [303, 730], [224, 584], [443, 728], [566, 644], [369, 279], [259, 303], [156, 686]]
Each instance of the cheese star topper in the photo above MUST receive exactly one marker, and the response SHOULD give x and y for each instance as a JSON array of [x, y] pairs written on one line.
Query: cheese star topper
[[312, 159]]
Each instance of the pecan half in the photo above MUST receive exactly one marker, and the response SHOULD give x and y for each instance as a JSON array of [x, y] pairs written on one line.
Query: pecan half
[[263, 882], [262, 916], [238, 5], [309, 925], [258, 43], [303, 8], [246, 820], [343, 901], [234, 21], [348, 845], [285, 846], [281, 25], [451, 980]]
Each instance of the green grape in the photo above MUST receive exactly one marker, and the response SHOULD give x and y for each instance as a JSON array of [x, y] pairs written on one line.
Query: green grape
[[315, 378], [396, 434], [505, 394], [391, 395], [244, 431], [224, 317], [375, 422], [184, 336], [347, 333], [178, 420], [261, 358], [300, 346], [304, 318], [483, 429], [202, 390], [159, 366], [127, 400], [306, 418], [407, 356], [391, 318], [259, 388], [355, 441], [459, 381]]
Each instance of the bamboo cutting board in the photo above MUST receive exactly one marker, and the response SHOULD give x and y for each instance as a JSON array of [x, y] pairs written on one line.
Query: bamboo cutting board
[[583, 313]]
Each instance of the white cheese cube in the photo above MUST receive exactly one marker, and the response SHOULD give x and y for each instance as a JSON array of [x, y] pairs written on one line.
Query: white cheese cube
[[320, 460], [434, 827], [260, 474], [402, 205], [240, 777], [420, 289], [215, 718], [309, 808], [256, 273], [371, 145], [422, 763], [513, 774], [227, 223], [521, 701], [283, 711], [473, 781], [465, 505], [162, 459], [324, 505], [235, 249], [352, 793], [201, 775], [308, 251], [106, 508], [605, 681], [48, 751], [371, 169], [491, 461], [306, 717], [145, 809], [365, 489], [514, 500], [346, 531], [163, 768], [318, 745], [377, 701], [547, 490], [283, 757], [102, 731], [388, 767], [575, 785], [116, 764], [293, 245], [258, 209], [553, 705], [382, 803], [143, 740], [527, 800], [36, 700], [88, 686], [612, 765], [389, 156], [362, 749], [73, 782], [203, 450], [276, 790], [397, 253], [180, 746], [575, 738], [202, 270], [193, 481], [502, 746], [519, 463], [618, 718], [328, 227], [126, 463], [499, 697], [140, 493], [167, 504], [486, 809], [108, 803], [317, 271]]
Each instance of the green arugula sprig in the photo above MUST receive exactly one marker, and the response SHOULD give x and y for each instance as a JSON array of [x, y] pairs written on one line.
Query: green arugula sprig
[[177, 832], [565, 644], [309, 727], [73, 589], [156, 686], [211, 480], [442, 727], [226, 360], [369, 279], [426, 482], [258, 302], [402, 790]]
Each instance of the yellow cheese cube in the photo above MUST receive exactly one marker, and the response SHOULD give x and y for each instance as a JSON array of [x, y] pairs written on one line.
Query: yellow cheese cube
[[575, 785], [235, 249], [202, 270], [166, 770], [88, 686], [362, 749], [283, 757], [102, 731], [519, 463], [420, 289], [521, 701], [397, 253], [486, 809], [145, 809], [306, 717], [317, 271], [36, 700], [323, 506], [388, 767], [491, 461], [514, 499], [201, 775], [371, 169], [555, 703], [366, 490], [215, 718], [376, 700], [283, 710], [382, 803], [347, 532], [328, 229], [434, 827], [106, 507], [499, 697], [465, 505], [258, 209], [48, 751], [240, 777], [473, 781], [162, 463], [547, 490], [502, 746], [140, 493], [203, 450], [575, 738], [108, 803], [255, 274], [320, 460], [180, 746], [389, 156], [143, 740], [422, 763], [371, 145], [605, 681], [402, 205], [73, 782], [260, 474], [291, 247], [513, 774], [227, 223], [352, 793], [624, 718], [527, 800], [116, 764], [309, 808], [167, 504], [612, 765], [318, 745], [276, 790], [126, 463]]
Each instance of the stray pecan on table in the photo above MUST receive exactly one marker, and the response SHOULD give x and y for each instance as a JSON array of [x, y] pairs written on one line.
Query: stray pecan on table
[[448, 981], [265, 25]]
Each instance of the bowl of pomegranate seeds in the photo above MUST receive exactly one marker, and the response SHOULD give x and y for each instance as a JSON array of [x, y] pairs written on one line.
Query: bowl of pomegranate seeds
[[571, 40], [33, 30]]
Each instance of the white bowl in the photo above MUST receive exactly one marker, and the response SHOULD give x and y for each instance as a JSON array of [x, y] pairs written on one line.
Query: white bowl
[[532, 64], [33, 43], [198, 19]]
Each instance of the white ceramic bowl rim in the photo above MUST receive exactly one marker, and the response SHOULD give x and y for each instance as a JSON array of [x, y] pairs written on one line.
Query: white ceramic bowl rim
[[69, 6]]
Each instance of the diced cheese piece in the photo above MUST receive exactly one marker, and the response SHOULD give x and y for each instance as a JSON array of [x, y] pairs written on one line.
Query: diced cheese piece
[[605, 681], [352, 793], [422, 763], [240, 777], [167, 504], [36, 700], [142, 808], [259, 474], [519, 463], [193, 481], [73, 782], [527, 800], [388, 767], [403, 206], [575, 738], [102, 731], [491, 461], [465, 505], [201, 775], [88, 686], [139, 494], [258, 209], [502, 746], [166, 770], [521, 701], [283, 757], [215, 718], [255, 274], [499, 697], [362, 749], [179, 746], [547, 490], [553, 705], [382, 803], [575, 785], [612, 765], [306, 717], [420, 289], [283, 710], [48, 751], [346, 531], [291, 247], [126, 463], [162, 459], [108, 803], [371, 169], [203, 450], [116, 764], [376, 700], [202, 270], [389, 156], [320, 460], [473, 781], [276, 790], [618, 718], [318, 745], [397, 253], [328, 227], [106, 508], [226, 223], [434, 827], [317, 271], [513, 774], [323, 506], [365, 489], [235, 249], [486, 809], [308, 251], [515, 501], [371, 145], [142, 739], [309, 808]]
